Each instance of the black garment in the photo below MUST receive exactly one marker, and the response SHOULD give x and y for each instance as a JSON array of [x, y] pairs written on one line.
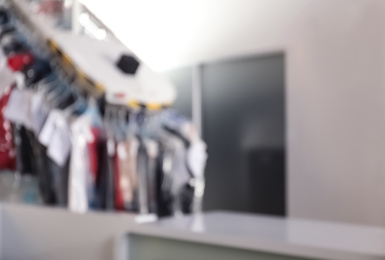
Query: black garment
[[44, 175], [39, 70], [187, 198], [164, 197], [59, 177], [25, 159], [104, 179], [53, 179]]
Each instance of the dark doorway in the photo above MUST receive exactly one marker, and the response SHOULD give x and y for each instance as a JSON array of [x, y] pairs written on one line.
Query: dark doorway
[[244, 127]]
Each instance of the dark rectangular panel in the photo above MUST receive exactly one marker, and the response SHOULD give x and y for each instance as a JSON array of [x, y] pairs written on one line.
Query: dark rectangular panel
[[243, 123]]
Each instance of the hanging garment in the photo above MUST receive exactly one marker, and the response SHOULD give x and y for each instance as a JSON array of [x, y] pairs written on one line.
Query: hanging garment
[[80, 176], [7, 148], [127, 153], [87, 162], [153, 151], [53, 179], [118, 192], [18, 106], [164, 196], [44, 174], [56, 136], [17, 61], [60, 182], [92, 146], [39, 111], [96, 135], [7, 77], [17, 111], [104, 182], [110, 182], [26, 162], [142, 170], [98, 169], [196, 161], [180, 173]]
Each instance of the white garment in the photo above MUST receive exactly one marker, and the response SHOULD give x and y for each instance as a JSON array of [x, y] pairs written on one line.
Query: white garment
[[3, 63], [48, 128], [39, 111], [7, 77], [197, 157], [56, 136], [17, 109], [80, 177]]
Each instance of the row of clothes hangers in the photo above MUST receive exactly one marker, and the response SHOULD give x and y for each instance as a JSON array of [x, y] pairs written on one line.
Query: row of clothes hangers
[[120, 122]]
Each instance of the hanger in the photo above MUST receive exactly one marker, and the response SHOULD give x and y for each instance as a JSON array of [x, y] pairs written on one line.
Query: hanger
[[185, 141], [45, 83], [59, 96], [176, 133], [94, 112], [46, 87], [36, 72], [78, 107]]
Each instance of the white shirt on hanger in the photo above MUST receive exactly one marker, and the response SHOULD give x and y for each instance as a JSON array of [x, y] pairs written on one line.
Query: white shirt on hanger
[[80, 172], [17, 109], [56, 136]]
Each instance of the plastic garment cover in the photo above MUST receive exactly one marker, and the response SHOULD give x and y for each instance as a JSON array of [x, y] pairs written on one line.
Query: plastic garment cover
[[56, 136]]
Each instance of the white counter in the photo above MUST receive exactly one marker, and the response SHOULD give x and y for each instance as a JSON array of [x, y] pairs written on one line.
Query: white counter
[[28, 232], [291, 237]]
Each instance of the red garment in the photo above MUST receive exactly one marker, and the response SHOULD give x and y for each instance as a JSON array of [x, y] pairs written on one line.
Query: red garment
[[119, 202], [17, 61], [7, 147]]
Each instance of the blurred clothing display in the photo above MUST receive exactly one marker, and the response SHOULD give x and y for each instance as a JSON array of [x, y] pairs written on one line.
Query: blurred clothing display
[[85, 154]]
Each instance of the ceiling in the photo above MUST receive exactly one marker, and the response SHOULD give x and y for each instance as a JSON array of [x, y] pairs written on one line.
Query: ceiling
[[172, 33]]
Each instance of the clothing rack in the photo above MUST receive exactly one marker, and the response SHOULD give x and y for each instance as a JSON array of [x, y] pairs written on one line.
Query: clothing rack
[[74, 52], [128, 154]]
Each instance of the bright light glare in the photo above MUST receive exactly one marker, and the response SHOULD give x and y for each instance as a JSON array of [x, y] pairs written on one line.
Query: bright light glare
[[91, 28], [151, 29]]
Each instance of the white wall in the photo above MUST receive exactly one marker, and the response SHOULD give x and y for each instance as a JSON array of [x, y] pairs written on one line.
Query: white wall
[[336, 112], [335, 83]]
